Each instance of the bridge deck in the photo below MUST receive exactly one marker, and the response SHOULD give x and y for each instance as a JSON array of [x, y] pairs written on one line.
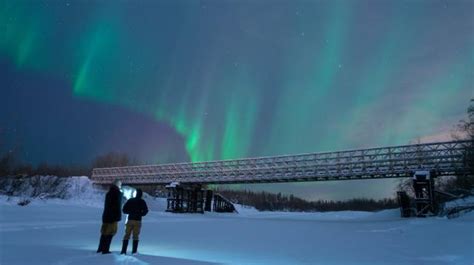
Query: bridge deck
[[447, 158]]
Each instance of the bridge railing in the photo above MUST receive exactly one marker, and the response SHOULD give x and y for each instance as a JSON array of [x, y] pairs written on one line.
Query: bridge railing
[[386, 162]]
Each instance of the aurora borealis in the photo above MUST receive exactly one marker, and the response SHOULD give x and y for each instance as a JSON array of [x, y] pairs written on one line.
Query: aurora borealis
[[174, 81]]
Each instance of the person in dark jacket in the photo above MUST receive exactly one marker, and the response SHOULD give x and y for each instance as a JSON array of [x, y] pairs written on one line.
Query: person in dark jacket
[[111, 216], [136, 208]]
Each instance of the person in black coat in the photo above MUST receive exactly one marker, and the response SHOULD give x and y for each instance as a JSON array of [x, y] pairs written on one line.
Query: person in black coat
[[136, 208], [110, 217]]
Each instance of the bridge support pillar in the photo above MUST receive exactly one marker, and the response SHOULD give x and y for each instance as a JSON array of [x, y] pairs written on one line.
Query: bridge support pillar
[[208, 201], [185, 198], [191, 198], [424, 202], [423, 186]]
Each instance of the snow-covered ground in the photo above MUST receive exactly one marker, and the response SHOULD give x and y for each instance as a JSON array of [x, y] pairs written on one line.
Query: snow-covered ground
[[54, 231]]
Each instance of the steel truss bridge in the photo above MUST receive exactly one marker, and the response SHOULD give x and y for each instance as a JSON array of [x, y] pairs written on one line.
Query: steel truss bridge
[[446, 158]]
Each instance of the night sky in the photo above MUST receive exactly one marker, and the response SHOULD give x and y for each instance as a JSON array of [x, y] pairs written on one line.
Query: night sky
[[175, 81]]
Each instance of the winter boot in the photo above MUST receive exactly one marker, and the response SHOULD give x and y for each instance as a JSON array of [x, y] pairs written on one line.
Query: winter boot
[[108, 240], [135, 246], [124, 247], [101, 243]]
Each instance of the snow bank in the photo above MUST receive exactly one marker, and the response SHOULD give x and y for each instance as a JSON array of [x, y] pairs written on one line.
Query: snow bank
[[61, 190], [77, 190], [47, 187]]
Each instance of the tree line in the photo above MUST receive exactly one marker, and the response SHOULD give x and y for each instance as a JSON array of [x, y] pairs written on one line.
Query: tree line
[[462, 183], [265, 201], [466, 128]]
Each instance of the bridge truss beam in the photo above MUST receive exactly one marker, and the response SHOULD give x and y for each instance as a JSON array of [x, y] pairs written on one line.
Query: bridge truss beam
[[446, 158]]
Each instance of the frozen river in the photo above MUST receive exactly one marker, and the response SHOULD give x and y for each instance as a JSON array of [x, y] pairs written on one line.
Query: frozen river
[[55, 232]]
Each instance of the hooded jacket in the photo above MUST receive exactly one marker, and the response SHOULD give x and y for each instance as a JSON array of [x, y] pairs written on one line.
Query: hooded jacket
[[112, 205], [136, 207]]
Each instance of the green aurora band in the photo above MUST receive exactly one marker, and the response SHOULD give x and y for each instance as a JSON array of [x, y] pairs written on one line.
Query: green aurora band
[[205, 80]]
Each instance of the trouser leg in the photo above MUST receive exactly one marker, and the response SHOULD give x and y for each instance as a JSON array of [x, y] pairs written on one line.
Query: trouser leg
[[135, 246], [101, 243], [124, 247], [136, 230], [133, 227], [128, 230], [108, 240], [108, 230]]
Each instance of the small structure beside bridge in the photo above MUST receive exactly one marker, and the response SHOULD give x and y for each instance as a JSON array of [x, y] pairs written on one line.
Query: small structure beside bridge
[[185, 181]]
